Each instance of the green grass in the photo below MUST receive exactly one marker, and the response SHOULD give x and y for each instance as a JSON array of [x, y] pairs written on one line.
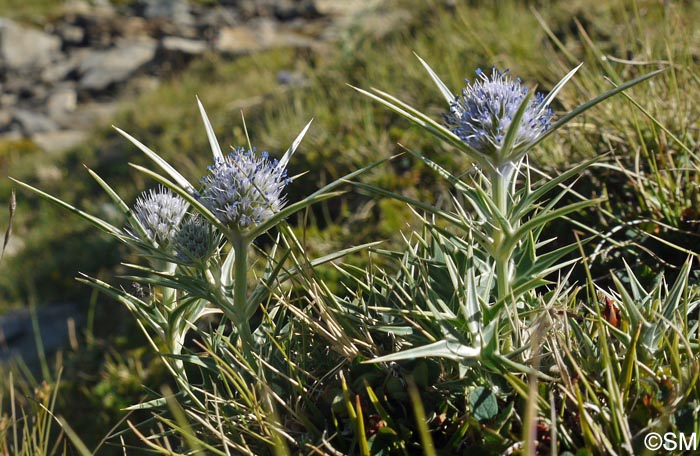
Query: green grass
[[652, 186], [29, 10]]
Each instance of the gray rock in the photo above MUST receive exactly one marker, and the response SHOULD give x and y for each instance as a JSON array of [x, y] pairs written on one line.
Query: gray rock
[[176, 11], [258, 34], [63, 69], [218, 17], [346, 8], [32, 122], [24, 88], [99, 29], [184, 45], [61, 101], [17, 334], [71, 34], [105, 68], [238, 40], [5, 119], [286, 10], [24, 47], [8, 100], [58, 141]]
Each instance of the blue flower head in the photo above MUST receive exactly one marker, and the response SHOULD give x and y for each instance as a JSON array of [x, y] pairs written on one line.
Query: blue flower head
[[244, 189], [160, 212], [482, 115]]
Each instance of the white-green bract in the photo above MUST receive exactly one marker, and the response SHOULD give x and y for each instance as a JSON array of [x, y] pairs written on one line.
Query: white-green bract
[[482, 115], [244, 189], [160, 212]]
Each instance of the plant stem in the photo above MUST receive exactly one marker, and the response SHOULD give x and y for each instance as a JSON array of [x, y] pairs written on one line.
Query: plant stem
[[169, 295], [500, 181], [240, 287]]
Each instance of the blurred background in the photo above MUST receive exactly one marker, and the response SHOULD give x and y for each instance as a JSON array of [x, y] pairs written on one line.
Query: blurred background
[[71, 69]]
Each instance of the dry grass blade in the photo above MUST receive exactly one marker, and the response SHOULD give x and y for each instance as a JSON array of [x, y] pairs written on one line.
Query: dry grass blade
[[12, 206]]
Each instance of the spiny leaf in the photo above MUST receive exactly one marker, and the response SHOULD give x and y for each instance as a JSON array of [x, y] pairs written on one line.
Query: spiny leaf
[[213, 142], [449, 349]]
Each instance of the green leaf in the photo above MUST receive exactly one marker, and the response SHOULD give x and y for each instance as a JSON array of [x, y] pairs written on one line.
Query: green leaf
[[505, 152], [152, 404], [287, 211], [152, 316], [528, 201], [288, 154], [629, 363], [483, 404], [213, 143], [543, 218], [452, 179], [675, 294], [386, 416], [207, 363], [628, 305], [449, 96], [584, 107], [427, 444], [449, 349], [99, 223], [126, 210], [172, 172], [471, 308], [555, 90], [227, 269], [425, 122]]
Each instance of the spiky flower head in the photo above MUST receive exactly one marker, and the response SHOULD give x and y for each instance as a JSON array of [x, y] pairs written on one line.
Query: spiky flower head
[[193, 240], [160, 212], [482, 115], [244, 189]]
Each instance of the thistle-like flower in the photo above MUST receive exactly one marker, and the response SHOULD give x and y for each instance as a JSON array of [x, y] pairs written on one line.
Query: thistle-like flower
[[482, 115], [193, 240], [160, 213], [244, 189]]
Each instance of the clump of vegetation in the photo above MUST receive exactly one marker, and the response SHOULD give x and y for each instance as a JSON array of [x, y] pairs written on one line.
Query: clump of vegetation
[[540, 300]]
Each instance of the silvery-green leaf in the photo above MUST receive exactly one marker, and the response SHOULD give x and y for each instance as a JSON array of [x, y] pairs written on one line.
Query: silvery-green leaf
[[172, 172], [449, 96], [453, 350], [288, 154], [213, 142]]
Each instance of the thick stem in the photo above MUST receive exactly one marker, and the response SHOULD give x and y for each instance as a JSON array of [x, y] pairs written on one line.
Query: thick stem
[[240, 288], [168, 294], [500, 183]]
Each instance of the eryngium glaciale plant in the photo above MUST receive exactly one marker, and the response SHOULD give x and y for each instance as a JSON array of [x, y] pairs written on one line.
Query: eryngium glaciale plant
[[196, 243], [496, 221]]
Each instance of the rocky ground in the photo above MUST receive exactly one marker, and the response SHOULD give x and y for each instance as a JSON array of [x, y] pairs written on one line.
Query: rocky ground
[[58, 80]]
